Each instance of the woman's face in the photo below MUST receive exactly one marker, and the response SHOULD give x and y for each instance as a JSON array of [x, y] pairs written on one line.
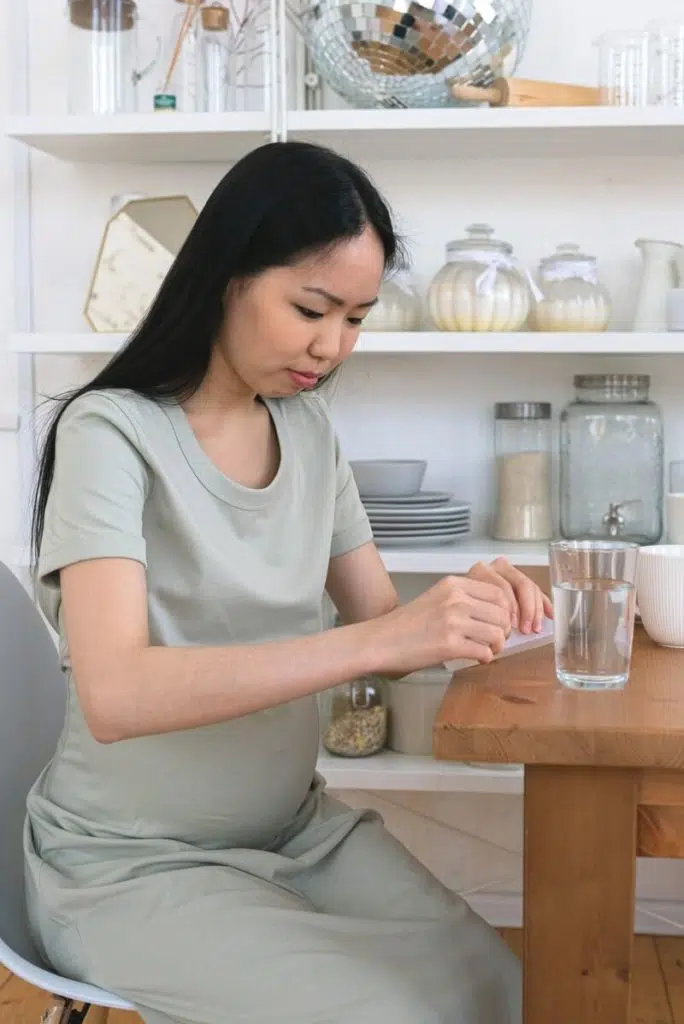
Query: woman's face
[[289, 326]]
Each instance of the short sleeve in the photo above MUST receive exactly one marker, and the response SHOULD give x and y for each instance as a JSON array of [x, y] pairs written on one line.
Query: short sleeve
[[351, 527], [96, 500]]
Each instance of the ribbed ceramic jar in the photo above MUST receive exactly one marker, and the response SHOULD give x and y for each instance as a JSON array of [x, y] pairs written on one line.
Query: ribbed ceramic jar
[[481, 287], [398, 308]]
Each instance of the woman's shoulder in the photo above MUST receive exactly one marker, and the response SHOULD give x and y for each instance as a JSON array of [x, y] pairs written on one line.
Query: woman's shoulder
[[120, 409], [306, 410]]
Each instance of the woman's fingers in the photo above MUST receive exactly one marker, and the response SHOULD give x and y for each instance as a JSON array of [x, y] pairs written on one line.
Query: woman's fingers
[[485, 633], [531, 603], [486, 573]]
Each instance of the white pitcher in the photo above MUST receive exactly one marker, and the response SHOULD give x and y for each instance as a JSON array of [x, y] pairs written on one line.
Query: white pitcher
[[658, 276]]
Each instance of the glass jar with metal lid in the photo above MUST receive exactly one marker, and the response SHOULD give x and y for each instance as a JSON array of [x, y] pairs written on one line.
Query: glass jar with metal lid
[[522, 445], [354, 717], [611, 460]]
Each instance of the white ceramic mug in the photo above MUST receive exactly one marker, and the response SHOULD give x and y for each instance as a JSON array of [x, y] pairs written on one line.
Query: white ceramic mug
[[660, 593]]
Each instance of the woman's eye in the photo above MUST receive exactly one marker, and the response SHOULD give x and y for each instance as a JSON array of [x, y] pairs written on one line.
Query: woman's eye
[[355, 321], [310, 314]]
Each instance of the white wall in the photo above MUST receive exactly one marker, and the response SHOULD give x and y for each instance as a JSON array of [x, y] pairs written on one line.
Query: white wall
[[436, 407], [8, 376]]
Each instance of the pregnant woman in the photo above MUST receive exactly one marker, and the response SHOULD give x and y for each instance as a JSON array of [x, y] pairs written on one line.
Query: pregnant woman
[[193, 506]]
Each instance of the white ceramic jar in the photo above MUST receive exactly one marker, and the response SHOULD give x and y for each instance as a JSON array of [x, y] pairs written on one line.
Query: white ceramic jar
[[481, 287], [573, 298], [398, 307]]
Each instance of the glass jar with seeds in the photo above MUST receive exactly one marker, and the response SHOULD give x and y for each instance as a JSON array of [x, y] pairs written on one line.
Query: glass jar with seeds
[[354, 718]]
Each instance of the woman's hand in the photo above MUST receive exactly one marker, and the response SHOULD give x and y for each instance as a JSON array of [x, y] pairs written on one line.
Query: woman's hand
[[526, 603], [459, 617]]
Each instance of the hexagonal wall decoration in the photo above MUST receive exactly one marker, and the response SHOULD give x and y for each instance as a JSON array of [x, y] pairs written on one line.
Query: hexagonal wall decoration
[[139, 244]]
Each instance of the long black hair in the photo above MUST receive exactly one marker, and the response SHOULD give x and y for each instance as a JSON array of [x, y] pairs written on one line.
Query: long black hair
[[279, 203]]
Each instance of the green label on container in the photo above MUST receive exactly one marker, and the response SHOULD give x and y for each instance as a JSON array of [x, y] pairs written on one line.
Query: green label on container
[[164, 101]]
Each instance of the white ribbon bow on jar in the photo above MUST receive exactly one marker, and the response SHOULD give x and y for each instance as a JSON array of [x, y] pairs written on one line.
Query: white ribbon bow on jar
[[493, 263], [566, 270]]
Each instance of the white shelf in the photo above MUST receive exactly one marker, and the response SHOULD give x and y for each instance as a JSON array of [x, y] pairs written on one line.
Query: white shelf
[[594, 343], [442, 560], [484, 133], [65, 343], [460, 556], [402, 773], [409, 343], [143, 138], [411, 134]]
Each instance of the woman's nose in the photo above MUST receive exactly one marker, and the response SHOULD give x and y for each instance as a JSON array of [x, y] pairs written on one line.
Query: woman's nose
[[327, 342]]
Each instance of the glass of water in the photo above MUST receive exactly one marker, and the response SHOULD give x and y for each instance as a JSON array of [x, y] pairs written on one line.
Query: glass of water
[[593, 608]]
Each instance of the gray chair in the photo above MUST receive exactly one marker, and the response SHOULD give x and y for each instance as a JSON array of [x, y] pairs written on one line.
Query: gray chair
[[32, 704]]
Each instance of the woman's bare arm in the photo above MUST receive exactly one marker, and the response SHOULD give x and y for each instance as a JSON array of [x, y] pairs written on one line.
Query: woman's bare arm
[[360, 586], [128, 688]]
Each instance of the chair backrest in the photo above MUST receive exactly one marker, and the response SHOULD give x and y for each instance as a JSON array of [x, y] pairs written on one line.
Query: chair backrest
[[32, 705]]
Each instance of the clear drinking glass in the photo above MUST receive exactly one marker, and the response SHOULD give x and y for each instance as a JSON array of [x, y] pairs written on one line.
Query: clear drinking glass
[[593, 608]]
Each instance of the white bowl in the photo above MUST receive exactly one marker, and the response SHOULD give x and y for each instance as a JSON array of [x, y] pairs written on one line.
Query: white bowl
[[380, 478], [660, 593]]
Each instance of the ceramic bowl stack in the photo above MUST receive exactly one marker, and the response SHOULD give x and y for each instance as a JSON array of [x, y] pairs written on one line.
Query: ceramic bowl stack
[[403, 515]]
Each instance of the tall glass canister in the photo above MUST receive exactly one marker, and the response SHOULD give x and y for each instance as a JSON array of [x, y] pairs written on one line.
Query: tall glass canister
[[217, 81], [104, 56], [611, 460], [522, 443]]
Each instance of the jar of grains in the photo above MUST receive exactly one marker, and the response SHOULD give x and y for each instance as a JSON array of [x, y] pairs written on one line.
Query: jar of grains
[[354, 717], [522, 444]]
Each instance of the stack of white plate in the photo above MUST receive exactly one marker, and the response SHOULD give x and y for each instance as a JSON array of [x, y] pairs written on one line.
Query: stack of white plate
[[425, 518]]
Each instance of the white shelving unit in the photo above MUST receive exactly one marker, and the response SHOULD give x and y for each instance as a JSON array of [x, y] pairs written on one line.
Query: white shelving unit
[[409, 134], [143, 138], [402, 773], [477, 133], [441, 560], [616, 343], [458, 557]]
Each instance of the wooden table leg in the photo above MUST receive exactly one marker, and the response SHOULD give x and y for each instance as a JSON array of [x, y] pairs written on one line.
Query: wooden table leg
[[578, 894], [97, 1015]]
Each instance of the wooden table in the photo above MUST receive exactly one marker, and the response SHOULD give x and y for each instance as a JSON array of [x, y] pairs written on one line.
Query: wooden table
[[604, 783]]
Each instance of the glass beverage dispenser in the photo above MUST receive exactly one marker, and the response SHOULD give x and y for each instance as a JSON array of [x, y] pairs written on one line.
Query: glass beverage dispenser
[[611, 460]]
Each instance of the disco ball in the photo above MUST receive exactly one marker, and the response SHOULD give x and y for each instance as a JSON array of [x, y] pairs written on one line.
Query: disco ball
[[407, 54]]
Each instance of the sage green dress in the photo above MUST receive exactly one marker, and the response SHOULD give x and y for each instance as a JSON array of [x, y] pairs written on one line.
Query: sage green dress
[[205, 875]]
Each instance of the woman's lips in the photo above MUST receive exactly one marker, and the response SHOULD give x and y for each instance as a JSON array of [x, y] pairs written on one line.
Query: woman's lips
[[303, 380]]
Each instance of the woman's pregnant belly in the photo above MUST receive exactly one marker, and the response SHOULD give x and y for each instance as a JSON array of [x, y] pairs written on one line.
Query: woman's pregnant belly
[[235, 784]]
